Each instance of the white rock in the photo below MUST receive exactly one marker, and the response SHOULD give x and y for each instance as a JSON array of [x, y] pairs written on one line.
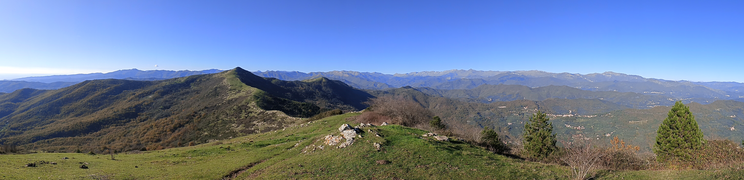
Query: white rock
[[344, 127], [346, 144], [441, 138], [377, 146], [332, 140], [349, 134], [384, 124]]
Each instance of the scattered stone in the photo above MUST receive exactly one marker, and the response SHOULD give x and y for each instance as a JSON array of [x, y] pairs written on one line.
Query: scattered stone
[[384, 124], [441, 138], [83, 166], [344, 127], [349, 134], [54, 163], [65, 158], [377, 146], [364, 125], [31, 165], [429, 134], [383, 162], [332, 140], [136, 166], [346, 144]]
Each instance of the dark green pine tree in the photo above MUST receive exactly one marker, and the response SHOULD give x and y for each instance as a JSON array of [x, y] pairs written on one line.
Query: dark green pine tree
[[490, 139], [539, 140], [679, 135]]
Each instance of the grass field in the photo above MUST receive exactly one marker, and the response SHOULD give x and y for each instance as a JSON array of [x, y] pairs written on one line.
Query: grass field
[[288, 154]]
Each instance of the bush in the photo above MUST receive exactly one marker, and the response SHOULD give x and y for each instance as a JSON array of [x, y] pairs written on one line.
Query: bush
[[621, 156], [490, 139], [437, 124], [398, 110], [715, 154], [371, 117], [582, 157]]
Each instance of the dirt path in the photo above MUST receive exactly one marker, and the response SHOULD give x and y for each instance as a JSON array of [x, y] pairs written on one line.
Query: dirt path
[[238, 172]]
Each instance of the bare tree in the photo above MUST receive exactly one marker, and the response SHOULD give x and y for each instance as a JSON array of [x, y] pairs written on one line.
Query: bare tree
[[581, 157]]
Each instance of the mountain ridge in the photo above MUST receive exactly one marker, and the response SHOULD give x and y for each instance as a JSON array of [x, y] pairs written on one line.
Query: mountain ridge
[[132, 115]]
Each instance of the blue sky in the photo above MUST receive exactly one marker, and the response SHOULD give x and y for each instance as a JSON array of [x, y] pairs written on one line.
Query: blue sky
[[675, 40]]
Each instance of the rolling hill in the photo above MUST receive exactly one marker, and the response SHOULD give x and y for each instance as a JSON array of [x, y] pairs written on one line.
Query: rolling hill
[[127, 114], [61, 81]]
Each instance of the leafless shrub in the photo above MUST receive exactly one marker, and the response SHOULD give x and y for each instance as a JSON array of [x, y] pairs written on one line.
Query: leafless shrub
[[371, 117], [398, 110], [465, 131], [581, 157]]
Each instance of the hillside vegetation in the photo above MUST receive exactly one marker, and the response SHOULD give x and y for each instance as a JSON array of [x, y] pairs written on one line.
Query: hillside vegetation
[[145, 115], [574, 118], [292, 153]]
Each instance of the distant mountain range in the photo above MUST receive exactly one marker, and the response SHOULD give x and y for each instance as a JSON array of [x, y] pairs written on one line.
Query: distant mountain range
[[61, 81], [130, 74], [662, 91], [470, 85]]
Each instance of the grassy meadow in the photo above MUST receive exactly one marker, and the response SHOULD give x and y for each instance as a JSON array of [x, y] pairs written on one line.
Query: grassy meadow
[[294, 153]]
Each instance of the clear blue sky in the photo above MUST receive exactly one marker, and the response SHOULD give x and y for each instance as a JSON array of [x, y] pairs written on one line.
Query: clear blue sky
[[676, 40]]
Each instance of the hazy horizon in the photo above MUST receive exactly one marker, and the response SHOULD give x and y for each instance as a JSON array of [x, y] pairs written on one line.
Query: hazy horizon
[[14, 77], [673, 40]]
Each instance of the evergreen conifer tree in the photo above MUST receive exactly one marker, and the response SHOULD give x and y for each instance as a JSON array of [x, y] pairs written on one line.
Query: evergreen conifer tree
[[491, 140], [679, 135], [539, 140]]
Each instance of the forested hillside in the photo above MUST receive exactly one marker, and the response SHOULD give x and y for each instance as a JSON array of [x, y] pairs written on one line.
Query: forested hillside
[[127, 115]]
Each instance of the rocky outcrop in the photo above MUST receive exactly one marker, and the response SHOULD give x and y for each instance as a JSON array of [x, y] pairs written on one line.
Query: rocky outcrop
[[332, 140], [349, 134], [344, 127]]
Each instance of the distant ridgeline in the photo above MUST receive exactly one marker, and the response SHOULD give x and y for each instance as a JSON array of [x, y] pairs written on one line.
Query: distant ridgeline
[[61, 81], [133, 115], [487, 86]]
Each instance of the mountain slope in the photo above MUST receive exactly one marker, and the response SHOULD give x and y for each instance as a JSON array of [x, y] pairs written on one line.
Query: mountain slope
[[131, 74], [125, 114], [61, 81], [10, 86]]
